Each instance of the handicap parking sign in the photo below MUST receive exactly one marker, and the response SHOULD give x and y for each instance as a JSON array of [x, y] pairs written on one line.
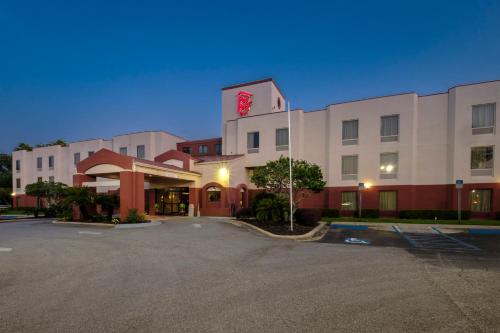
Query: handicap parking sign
[[459, 183]]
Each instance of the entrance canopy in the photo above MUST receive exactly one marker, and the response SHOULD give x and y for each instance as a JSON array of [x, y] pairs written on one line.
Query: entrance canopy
[[133, 175]]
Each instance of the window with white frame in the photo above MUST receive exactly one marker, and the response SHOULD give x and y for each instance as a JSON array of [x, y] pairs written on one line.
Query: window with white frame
[[350, 132], [51, 162], [18, 165], [253, 142], [39, 163], [18, 182], [141, 151], [389, 128], [281, 138], [123, 150], [218, 148], [480, 200], [483, 118], [51, 179], [389, 165], [76, 158], [202, 149], [39, 179], [187, 150], [350, 167], [388, 200], [481, 161], [349, 200], [90, 153]]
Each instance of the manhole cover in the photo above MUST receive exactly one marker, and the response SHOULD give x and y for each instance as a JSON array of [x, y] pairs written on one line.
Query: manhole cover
[[353, 240]]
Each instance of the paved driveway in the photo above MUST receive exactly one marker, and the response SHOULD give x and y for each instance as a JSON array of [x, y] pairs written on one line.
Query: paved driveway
[[205, 275]]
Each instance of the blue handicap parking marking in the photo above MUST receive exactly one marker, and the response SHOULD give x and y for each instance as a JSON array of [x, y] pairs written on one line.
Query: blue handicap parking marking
[[353, 240], [484, 231]]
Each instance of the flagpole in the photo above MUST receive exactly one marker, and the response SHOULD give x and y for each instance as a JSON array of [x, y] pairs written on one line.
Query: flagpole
[[290, 166]]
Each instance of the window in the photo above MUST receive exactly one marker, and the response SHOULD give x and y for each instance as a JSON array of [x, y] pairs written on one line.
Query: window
[[350, 132], [39, 179], [349, 201], [480, 200], [202, 149], [388, 200], [481, 161], [213, 194], [18, 165], [141, 151], [281, 138], [389, 128], [51, 179], [91, 153], [18, 182], [218, 148], [388, 165], [39, 163], [51, 162], [123, 150], [253, 142], [350, 167], [76, 158], [187, 150], [483, 118]]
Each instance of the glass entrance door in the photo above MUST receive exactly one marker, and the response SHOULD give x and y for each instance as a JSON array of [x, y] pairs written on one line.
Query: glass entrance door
[[172, 201]]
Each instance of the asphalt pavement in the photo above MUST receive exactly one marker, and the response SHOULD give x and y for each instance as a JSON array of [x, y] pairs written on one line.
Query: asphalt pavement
[[206, 275]]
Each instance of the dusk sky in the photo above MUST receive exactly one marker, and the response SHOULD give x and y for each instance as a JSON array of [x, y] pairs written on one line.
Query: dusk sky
[[78, 70]]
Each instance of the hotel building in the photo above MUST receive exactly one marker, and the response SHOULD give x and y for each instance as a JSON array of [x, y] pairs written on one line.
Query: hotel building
[[410, 149]]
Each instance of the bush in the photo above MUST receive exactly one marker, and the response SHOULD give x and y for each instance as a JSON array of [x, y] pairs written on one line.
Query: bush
[[330, 212], [134, 216], [433, 214], [245, 212], [273, 208], [368, 213], [260, 196], [307, 216], [98, 218]]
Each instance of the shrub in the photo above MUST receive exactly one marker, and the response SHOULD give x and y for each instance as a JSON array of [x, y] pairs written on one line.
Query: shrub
[[98, 218], [260, 196], [307, 216], [433, 214], [330, 212], [134, 216], [368, 213], [273, 208], [245, 212]]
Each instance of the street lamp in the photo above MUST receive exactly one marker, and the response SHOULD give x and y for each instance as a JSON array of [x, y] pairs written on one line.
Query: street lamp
[[361, 186]]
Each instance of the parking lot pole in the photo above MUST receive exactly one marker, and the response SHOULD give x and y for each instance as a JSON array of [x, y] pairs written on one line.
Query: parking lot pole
[[361, 187], [459, 205]]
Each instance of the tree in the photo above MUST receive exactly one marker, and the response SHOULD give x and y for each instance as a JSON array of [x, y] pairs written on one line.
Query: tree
[[274, 177], [82, 197], [39, 191], [23, 146], [108, 203], [5, 178]]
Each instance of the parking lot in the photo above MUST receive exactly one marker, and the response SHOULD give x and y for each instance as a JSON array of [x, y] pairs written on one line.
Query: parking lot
[[206, 275]]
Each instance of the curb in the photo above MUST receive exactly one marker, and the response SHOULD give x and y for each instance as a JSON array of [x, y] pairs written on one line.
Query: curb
[[101, 225], [137, 225], [305, 237]]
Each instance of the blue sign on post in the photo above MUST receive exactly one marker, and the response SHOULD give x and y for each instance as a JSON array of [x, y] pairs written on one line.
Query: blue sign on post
[[459, 183]]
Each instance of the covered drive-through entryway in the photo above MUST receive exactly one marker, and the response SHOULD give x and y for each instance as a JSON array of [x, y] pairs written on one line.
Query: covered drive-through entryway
[[164, 186]]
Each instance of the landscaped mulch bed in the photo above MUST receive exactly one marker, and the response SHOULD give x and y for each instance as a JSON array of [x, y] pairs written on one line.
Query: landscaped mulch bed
[[281, 228]]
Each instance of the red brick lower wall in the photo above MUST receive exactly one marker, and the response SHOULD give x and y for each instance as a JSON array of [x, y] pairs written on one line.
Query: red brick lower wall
[[410, 197], [23, 200]]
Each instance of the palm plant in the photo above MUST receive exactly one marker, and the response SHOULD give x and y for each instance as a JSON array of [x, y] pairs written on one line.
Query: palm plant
[[82, 197], [108, 203]]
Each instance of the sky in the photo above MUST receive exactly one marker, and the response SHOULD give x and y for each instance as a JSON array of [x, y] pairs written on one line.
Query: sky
[[93, 69]]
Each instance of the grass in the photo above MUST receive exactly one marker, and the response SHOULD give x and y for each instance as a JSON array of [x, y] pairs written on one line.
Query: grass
[[409, 221], [14, 212]]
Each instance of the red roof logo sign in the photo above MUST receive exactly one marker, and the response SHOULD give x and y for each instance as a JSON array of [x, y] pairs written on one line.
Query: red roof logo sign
[[244, 102]]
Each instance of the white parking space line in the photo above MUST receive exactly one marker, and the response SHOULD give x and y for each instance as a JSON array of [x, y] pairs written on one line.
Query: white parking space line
[[5, 249], [197, 225], [90, 232]]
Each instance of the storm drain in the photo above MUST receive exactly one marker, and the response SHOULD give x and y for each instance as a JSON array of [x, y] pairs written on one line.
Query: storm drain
[[435, 241]]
